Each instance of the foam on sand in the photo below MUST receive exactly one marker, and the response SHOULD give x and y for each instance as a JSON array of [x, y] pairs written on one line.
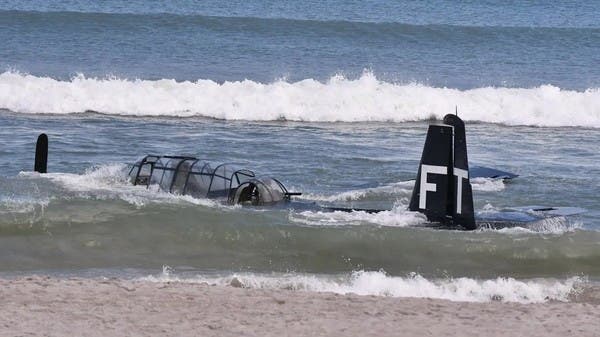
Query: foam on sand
[[60, 307], [380, 284], [336, 100]]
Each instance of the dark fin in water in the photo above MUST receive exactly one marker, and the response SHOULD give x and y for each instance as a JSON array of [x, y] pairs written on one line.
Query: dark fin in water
[[430, 194], [443, 190], [461, 190], [41, 154]]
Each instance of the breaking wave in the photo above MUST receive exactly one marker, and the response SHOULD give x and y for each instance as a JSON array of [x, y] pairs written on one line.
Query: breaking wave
[[109, 182], [337, 100], [380, 284]]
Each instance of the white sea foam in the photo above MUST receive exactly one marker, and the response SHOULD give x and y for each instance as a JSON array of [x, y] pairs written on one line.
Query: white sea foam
[[400, 189], [22, 209], [338, 99], [556, 226], [487, 184], [380, 284], [109, 181], [396, 217]]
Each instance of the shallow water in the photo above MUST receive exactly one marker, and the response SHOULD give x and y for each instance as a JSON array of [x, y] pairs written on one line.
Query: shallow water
[[84, 214]]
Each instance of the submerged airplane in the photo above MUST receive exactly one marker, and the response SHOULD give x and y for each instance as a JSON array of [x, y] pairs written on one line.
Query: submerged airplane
[[442, 189]]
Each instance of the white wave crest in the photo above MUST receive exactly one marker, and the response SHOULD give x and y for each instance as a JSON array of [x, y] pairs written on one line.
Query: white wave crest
[[338, 99], [380, 284]]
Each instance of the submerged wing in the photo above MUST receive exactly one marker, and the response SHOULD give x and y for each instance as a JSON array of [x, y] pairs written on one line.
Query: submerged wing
[[488, 172], [550, 211], [527, 216]]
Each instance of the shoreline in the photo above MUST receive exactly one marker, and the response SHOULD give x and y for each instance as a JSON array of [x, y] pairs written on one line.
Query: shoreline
[[52, 306]]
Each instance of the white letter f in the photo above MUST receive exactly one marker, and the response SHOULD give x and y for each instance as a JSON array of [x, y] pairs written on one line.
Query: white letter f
[[425, 186]]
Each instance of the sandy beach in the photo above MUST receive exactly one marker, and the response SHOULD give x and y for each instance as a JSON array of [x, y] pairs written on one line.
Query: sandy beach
[[43, 306]]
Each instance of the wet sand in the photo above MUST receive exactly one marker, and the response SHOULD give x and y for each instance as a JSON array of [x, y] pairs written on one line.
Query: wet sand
[[43, 306]]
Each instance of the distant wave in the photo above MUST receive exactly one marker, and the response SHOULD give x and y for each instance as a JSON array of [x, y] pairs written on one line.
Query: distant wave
[[365, 99], [299, 25]]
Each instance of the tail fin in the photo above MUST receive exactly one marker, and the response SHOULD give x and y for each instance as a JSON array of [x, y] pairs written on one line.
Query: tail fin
[[442, 190], [41, 154], [430, 194]]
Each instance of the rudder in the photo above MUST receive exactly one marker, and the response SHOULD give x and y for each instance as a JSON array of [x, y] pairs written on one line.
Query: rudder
[[461, 190]]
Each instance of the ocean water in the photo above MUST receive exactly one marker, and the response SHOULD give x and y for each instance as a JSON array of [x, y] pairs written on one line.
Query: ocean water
[[331, 97]]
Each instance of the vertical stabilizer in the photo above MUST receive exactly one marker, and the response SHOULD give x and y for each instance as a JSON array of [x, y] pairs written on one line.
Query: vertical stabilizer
[[442, 190], [430, 194], [41, 154]]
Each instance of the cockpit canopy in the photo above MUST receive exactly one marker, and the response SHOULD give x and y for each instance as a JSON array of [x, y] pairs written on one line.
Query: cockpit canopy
[[198, 178]]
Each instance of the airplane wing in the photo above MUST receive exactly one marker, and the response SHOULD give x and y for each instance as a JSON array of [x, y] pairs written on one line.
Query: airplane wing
[[550, 211], [488, 172]]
